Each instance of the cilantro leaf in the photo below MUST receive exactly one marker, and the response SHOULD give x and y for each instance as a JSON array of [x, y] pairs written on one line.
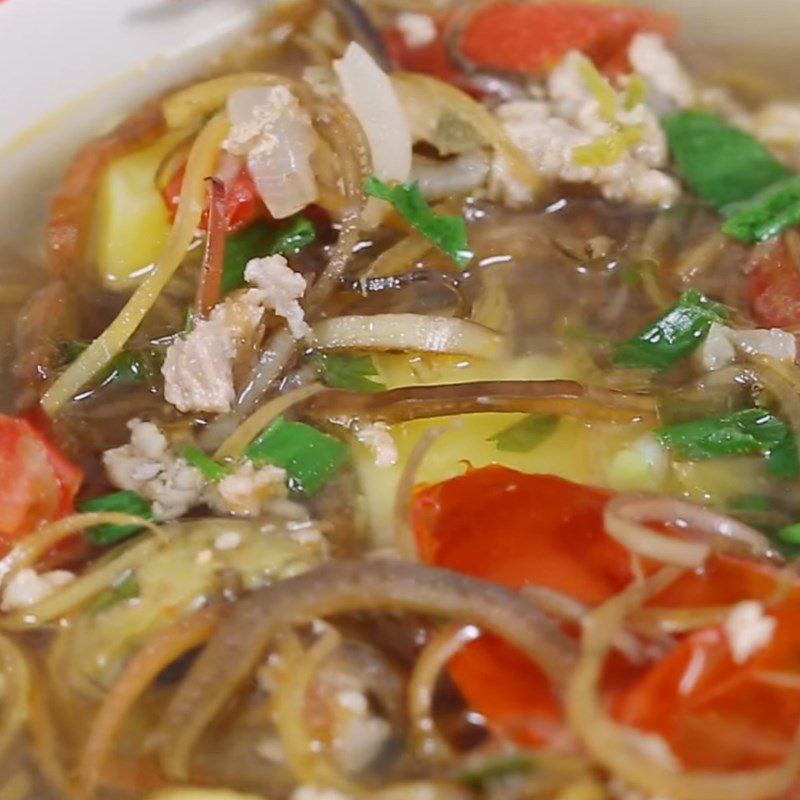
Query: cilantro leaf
[[349, 372], [259, 240], [139, 365], [448, 233]]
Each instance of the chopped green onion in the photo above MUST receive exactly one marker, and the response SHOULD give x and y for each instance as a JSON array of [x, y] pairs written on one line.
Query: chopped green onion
[[310, 457], [480, 777], [722, 164], [783, 460], [768, 213], [355, 373], [747, 432], [259, 240], [123, 503], [210, 468], [674, 335], [125, 589], [525, 435], [448, 233]]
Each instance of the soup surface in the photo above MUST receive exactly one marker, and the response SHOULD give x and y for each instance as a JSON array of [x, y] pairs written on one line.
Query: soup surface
[[408, 408]]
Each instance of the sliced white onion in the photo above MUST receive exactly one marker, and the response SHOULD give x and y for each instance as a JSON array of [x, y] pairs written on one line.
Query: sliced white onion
[[370, 95], [408, 332], [277, 137], [624, 515], [441, 179]]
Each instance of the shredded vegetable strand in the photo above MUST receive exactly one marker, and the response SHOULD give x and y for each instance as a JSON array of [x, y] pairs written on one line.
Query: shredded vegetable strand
[[45, 738], [306, 762], [95, 580], [400, 257], [210, 289], [611, 743], [202, 161], [410, 332], [422, 685], [235, 445], [32, 547], [191, 105], [16, 691], [346, 138], [338, 588], [623, 517], [564, 398], [159, 652], [404, 540], [487, 127]]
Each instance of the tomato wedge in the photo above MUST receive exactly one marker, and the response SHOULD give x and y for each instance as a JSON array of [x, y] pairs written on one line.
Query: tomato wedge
[[773, 289], [516, 529], [524, 36], [37, 483], [243, 204]]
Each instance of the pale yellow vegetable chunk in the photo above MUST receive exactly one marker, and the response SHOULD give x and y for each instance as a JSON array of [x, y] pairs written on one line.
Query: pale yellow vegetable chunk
[[131, 221], [188, 793]]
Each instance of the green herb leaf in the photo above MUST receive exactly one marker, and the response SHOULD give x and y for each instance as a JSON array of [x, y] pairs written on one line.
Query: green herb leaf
[[782, 460], [671, 337], [480, 777], [790, 534], [125, 589], [751, 502], [355, 373], [635, 273], [747, 432], [523, 436], [210, 468], [310, 457], [259, 240], [140, 365], [768, 213], [122, 502], [448, 233], [722, 164]]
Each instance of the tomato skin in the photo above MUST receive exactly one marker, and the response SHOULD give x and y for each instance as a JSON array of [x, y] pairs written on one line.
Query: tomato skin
[[243, 204], [514, 528], [717, 714], [37, 483], [773, 289], [429, 59], [529, 37]]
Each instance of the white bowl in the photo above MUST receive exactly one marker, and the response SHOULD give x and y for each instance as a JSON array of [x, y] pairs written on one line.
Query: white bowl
[[70, 66]]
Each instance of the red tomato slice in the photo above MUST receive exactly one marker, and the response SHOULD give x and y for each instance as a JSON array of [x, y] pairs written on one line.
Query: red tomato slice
[[717, 714], [430, 59], [515, 529], [773, 289], [242, 201], [528, 36], [37, 483]]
